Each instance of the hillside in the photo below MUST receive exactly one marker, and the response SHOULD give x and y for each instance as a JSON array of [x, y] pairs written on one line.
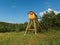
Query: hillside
[[18, 38], [12, 27]]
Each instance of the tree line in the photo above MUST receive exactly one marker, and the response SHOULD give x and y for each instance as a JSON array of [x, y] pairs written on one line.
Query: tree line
[[48, 21]]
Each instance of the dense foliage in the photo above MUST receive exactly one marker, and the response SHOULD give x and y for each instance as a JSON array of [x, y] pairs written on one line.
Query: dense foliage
[[51, 20]]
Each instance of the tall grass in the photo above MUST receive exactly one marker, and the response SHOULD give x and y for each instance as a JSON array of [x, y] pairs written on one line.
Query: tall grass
[[18, 38]]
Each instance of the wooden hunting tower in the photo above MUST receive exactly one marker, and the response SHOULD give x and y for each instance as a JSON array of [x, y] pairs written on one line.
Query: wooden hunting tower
[[32, 20]]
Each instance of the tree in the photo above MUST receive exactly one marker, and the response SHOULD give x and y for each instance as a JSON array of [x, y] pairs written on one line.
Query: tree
[[47, 19]]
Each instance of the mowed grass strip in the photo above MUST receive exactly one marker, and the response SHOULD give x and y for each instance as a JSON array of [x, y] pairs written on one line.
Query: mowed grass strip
[[18, 38]]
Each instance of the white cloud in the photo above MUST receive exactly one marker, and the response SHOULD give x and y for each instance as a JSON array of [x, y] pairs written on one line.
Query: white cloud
[[42, 13], [56, 12], [10, 22], [49, 10]]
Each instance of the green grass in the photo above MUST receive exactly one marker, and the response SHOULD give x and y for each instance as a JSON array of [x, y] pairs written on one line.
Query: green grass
[[18, 38]]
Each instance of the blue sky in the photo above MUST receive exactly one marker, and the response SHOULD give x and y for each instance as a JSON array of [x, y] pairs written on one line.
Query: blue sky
[[15, 11]]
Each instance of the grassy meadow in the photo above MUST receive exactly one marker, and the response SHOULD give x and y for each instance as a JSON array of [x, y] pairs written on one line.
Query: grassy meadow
[[18, 38]]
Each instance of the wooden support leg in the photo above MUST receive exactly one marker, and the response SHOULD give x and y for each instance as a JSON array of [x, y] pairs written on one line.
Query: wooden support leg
[[35, 27], [27, 27]]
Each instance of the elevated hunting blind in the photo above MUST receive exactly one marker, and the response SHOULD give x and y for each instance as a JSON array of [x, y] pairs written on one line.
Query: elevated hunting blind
[[33, 20], [31, 15]]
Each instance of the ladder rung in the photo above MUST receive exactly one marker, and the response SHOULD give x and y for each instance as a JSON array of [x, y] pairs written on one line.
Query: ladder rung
[[31, 29]]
